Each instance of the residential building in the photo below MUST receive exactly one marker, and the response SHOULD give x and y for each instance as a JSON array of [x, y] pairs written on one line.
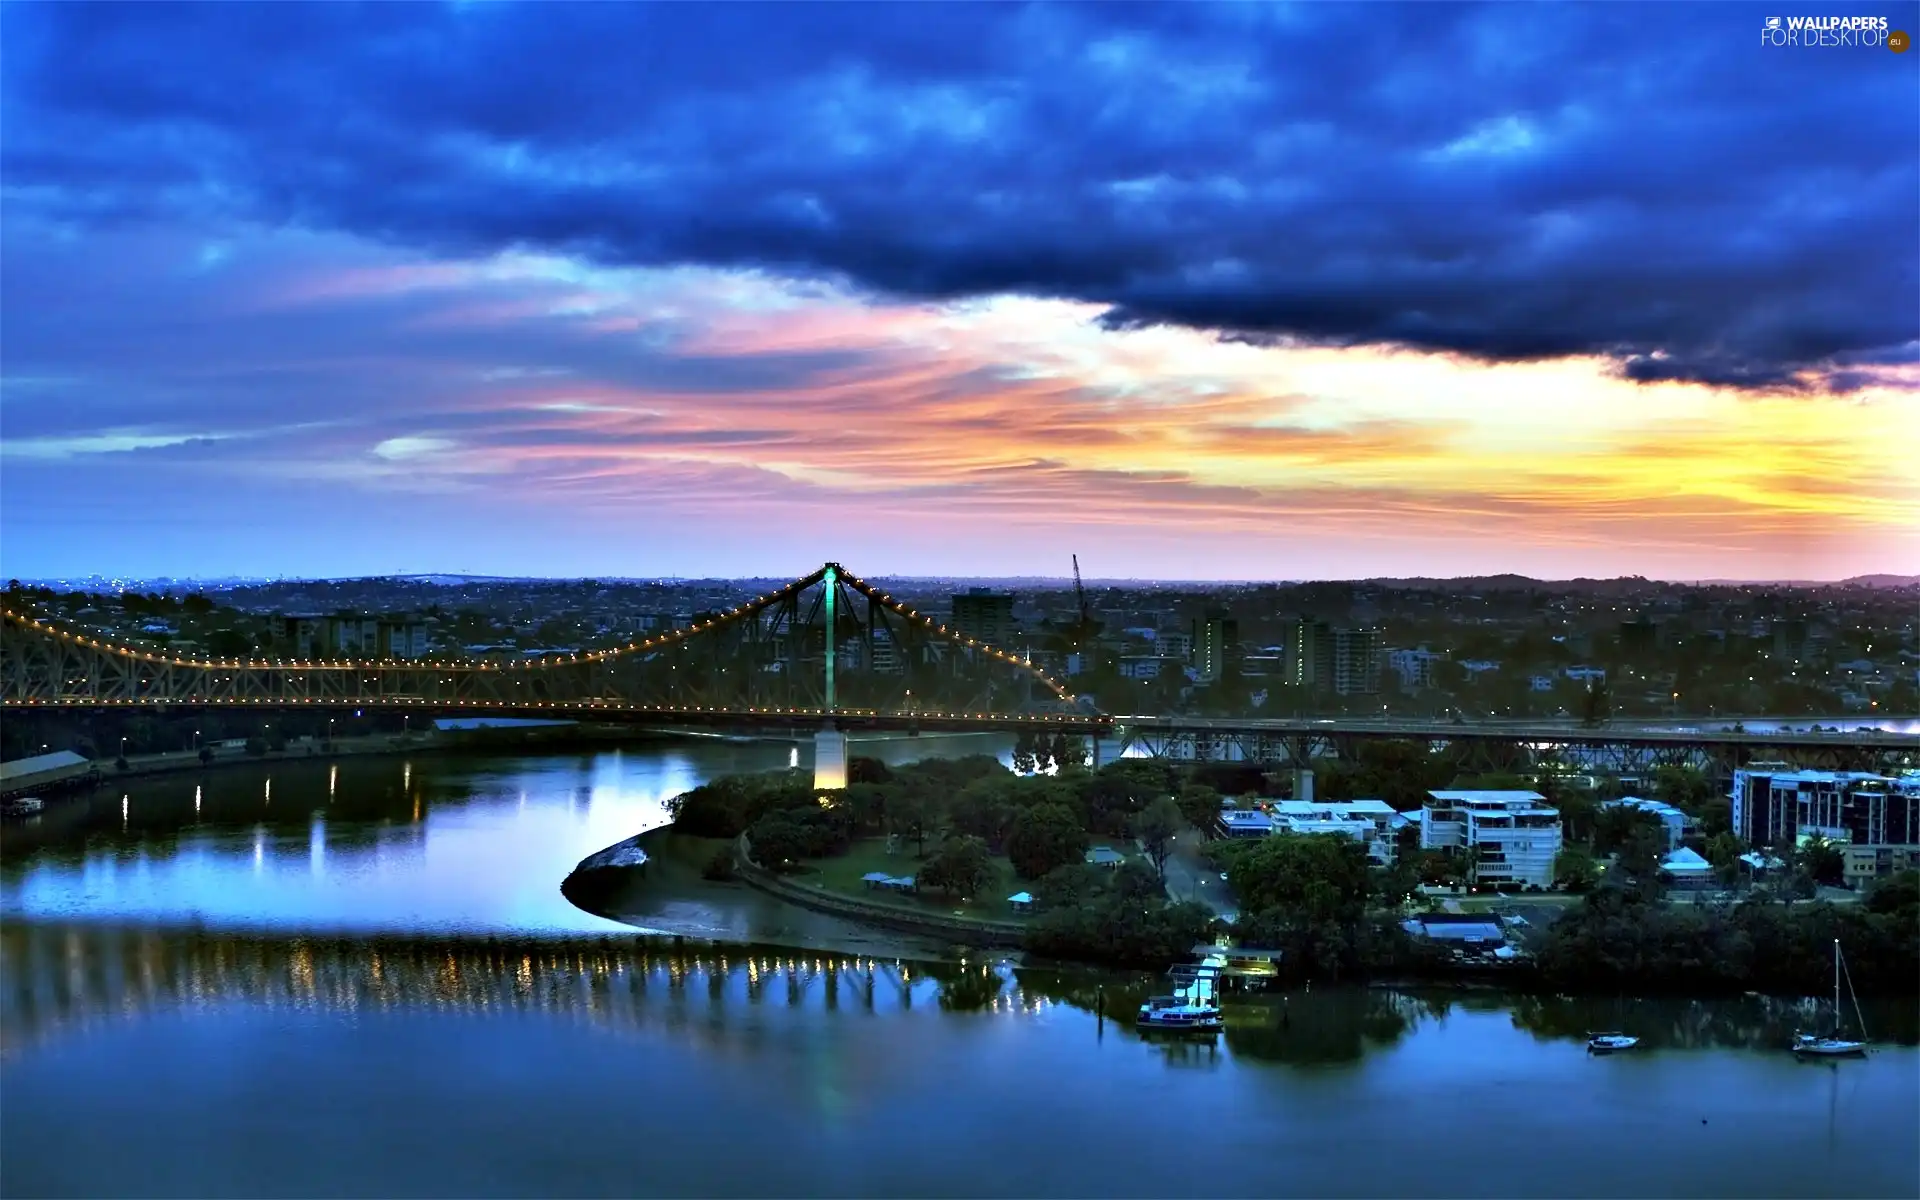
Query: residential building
[[1875, 817], [1686, 870], [1672, 821], [985, 616], [1244, 823], [1515, 834], [1356, 661], [402, 638], [1173, 645], [353, 637], [1142, 666], [1309, 650], [1216, 642], [302, 635], [1371, 822], [1414, 667]]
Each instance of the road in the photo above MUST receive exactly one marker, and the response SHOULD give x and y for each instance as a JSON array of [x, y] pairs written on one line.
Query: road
[[1860, 732], [1191, 877]]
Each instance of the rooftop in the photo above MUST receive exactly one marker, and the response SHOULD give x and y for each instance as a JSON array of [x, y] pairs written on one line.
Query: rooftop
[[1379, 808], [1643, 804], [1490, 799], [20, 768]]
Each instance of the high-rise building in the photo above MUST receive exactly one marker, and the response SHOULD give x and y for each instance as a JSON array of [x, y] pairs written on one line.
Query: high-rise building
[[985, 616], [1216, 640], [1309, 653], [1356, 661]]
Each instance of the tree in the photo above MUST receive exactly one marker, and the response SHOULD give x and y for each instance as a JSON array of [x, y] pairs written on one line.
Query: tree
[[984, 809], [1318, 877], [1068, 752], [867, 804], [1822, 861], [1574, 870], [1023, 753], [959, 868], [1155, 826], [1639, 858], [1596, 704], [1200, 805], [913, 815], [1686, 788], [1044, 838]]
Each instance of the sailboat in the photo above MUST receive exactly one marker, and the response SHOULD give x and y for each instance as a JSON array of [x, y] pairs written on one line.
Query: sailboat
[[1813, 1045]]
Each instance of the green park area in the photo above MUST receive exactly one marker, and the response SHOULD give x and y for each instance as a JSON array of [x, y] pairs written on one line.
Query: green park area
[[846, 874], [972, 833]]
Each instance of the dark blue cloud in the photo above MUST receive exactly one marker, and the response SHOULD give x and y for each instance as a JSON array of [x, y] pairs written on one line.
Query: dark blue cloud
[[1647, 183]]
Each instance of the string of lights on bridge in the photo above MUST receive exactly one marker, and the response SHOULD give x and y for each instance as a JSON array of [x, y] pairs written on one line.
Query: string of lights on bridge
[[739, 612]]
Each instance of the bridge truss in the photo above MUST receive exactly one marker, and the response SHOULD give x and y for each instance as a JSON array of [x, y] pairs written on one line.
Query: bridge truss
[[829, 646]]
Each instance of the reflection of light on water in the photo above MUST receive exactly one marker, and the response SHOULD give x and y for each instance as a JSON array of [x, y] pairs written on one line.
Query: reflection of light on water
[[259, 849], [406, 774], [269, 789], [333, 780], [123, 811], [793, 758], [196, 797], [317, 845]]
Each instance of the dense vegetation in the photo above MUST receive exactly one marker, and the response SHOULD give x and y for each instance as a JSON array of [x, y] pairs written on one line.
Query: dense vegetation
[[1318, 899], [1623, 939], [957, 815]]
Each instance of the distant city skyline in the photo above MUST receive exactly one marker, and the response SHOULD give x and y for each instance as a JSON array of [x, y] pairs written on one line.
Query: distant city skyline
[[1001, 284]]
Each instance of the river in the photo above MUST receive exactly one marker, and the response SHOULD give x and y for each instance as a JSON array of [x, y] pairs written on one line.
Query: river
[[307, 978]]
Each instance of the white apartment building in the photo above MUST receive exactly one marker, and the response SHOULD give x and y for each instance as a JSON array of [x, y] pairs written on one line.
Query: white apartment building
[[1517, 834], [1414, 667], [1672, 820], [1371, 822]]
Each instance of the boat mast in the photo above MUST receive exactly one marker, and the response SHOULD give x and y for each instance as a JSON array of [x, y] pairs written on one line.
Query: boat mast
[[1836, 987]]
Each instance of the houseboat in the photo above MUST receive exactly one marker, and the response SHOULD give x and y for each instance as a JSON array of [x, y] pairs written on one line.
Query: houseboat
[[1194, 1006]]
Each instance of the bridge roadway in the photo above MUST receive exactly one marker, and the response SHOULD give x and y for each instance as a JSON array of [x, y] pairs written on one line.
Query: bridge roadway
[[1680, 733], [1142, 730]]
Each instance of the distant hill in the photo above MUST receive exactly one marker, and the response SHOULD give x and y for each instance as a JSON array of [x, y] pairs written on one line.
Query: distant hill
[[1882, 581]]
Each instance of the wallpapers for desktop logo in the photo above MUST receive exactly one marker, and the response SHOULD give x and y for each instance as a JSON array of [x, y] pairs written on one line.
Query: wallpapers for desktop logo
[[1868, 32]]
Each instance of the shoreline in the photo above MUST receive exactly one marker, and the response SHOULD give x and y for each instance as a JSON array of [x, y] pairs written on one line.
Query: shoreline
[[503, 740], [1009, 938]]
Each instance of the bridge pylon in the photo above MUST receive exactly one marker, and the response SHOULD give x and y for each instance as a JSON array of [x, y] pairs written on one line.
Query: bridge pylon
[[829, 759]]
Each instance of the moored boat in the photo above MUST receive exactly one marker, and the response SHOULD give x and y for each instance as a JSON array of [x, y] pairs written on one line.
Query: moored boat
[[1833, 1045], [1608, 1043], [21, 806], [1193, 1007]]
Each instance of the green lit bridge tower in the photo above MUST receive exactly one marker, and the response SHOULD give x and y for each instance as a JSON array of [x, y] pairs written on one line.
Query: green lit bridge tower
[[830, 744], [822, 655]]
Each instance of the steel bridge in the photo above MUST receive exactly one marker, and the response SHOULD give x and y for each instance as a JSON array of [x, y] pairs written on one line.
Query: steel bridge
[[1626, 748], [828, 649]]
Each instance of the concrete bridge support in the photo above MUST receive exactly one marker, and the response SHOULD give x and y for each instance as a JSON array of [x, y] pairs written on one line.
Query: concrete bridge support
[[829, 760]]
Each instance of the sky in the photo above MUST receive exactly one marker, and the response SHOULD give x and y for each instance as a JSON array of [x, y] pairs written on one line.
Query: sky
[[1193, 291]]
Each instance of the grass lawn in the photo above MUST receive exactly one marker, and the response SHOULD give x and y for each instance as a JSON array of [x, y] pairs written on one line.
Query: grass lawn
[[1487, 903], [844, 875]]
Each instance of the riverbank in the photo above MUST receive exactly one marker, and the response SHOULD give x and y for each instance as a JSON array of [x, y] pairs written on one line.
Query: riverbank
[[974, 931], [483, 741]]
